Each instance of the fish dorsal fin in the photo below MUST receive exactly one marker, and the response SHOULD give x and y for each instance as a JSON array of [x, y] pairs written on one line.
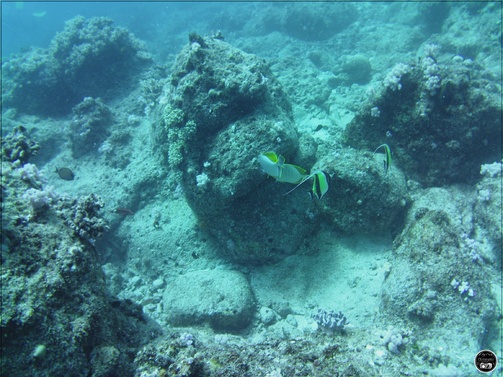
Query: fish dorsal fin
[[281, 160], [269, 162], [271, 156]]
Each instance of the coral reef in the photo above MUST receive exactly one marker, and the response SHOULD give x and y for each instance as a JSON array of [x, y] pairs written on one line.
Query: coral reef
[[227, 356], [81, 216], [57, 317], [330, 320], [17, 146], [89, 58], [439, 107], [196, 237], [89, 126]]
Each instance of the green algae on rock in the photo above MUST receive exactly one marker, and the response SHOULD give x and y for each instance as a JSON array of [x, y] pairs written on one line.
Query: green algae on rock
[[90, 57], [441, 116], [224, 108]]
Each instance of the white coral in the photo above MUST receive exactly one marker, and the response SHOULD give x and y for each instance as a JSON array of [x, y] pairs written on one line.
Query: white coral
[[202, 179], [375, 112], [491, 170], [431, 73], [29, 172], [39, 199], [392, 79]]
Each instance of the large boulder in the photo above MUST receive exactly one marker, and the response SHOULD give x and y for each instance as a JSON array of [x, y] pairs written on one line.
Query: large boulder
[[440, 279], [441, 118], [363, 197], [309, 22], [222, 109], [220, 298]]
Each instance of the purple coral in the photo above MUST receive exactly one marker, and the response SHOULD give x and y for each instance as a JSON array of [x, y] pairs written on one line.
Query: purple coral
[[30, 173], [39, 199]]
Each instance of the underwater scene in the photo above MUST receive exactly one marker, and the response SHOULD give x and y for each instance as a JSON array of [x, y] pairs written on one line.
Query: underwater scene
[[251, 189]]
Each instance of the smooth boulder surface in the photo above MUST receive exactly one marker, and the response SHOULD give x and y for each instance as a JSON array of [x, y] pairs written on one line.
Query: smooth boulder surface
[[223, 299]]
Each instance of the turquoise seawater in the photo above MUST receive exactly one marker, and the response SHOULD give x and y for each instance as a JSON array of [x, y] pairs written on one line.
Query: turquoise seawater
[[251, 189]]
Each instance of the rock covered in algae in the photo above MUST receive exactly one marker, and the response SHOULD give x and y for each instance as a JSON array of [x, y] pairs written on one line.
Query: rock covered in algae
[[441, 117], [52, 280], [224, 107], [90, 57], [440, 277]]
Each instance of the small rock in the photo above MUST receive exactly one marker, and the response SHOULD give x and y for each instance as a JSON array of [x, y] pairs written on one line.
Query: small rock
[[158, 283], [135, 280], [267, 316], [40, 352], [291, 320]]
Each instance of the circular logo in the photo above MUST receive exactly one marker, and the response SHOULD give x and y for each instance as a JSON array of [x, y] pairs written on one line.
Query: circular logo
[[485, 361]]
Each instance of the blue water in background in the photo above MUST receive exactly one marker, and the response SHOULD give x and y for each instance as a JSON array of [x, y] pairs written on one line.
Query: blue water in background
[[23, 26], [164, 27]]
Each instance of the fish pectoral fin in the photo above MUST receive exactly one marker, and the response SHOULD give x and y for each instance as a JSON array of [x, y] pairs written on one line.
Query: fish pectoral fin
[[281, 160]]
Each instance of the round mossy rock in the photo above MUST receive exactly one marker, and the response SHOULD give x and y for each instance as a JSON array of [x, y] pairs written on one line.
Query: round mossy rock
[[229, 109]]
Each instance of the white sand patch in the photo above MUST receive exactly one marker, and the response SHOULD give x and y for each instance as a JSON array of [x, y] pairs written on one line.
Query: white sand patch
[[345, 275]]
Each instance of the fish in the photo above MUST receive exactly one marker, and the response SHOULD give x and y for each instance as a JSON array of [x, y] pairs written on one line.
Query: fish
[[320, 184], [123, 211], [65, 173], [275, 166], [387, 160]]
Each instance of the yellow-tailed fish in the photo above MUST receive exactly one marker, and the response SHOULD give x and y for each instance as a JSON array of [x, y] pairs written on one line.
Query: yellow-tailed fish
[[275, 166], [320, 184], [271, 163], [387, 160]]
